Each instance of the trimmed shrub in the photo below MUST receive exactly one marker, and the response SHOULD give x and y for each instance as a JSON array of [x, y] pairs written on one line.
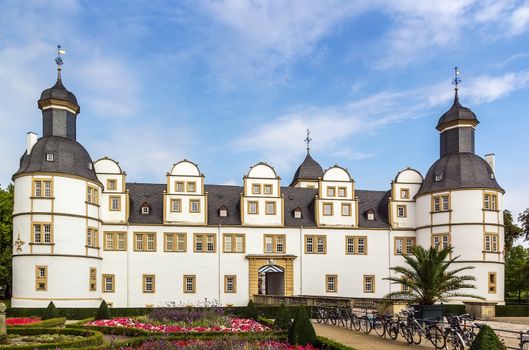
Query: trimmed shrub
[[51, 312], [282, 320], [103, 313], [90, 338], [328, 344], [487, 340], [512, 310], [301, 332], [251, 311]]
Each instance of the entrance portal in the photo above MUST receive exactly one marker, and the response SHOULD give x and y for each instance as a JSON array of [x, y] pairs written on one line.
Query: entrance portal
[[271, 280]]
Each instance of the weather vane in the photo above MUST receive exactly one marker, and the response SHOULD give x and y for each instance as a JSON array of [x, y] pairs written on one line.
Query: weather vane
[[457, 79], [59, 60], [307, 140]]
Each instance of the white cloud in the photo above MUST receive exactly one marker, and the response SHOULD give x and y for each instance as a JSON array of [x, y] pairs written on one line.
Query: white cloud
[[519, 20]]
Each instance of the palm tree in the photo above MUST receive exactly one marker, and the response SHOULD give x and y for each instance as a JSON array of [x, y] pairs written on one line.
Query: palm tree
[[426, 279]]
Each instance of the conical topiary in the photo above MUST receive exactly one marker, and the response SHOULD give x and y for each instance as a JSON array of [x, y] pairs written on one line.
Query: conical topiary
[[51, 312], [103, 313], [487, 340], [251, 312], [301, 332], [283, 320]]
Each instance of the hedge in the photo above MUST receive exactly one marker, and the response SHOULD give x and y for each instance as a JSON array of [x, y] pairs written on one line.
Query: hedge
[[91, 338], [52, 322], [512, 310], [328, 344], [454, 309]]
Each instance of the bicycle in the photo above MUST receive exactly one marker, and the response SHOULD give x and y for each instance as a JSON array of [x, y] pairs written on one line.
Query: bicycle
[[427, 330], [457, 337]]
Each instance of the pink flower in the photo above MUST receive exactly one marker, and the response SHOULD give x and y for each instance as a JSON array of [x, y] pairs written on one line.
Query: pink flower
[[16, 321]]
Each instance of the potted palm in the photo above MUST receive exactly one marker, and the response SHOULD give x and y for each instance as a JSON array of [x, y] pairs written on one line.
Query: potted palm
[[427, 280]]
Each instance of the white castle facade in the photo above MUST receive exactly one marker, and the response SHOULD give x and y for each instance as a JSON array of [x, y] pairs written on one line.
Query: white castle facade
[[83, 234]]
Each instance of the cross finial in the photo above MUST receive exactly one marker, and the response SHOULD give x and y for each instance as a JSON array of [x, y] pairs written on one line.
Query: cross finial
[[457, 79], [59, 61], [307, 140]]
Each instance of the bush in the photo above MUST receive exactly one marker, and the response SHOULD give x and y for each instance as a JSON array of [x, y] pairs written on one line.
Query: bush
[[512, 310], [487, 340], [282, 320], [103, 313], [301, 332], [90, 338], [51, 312], [251, 311], [328, 344]]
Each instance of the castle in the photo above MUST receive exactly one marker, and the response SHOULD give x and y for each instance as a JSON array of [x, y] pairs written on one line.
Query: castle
[[83, 234]]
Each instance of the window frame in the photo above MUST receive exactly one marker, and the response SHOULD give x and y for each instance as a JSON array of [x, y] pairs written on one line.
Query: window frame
[[193, 283], [256, 207], [94, 242], [175, 236], [331, 206], [144, 283], [191, 186], [172, 203], [269, 191], [113, 282], [365, 284], [494, 242], [356, 245], [42, 188], [145, 241], [256, 188], [315, 244], [334, 282], [492, 202], [204, 242], [346, 205], [92, 194], [110, 203], [40, 279], [274, 206], [441, 198], [115, 235], [275, 244], [114, 187], [405, 241], [492, 286], [441, 236], [233, 237], [331, 191], [92, 279], [406, 192], [234, 284], [339, 191], [42, 233], [179, 186], [404, 208]]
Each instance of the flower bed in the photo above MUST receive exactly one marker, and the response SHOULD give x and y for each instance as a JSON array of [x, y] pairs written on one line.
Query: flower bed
[[18, 321], [217, 345], [238, 325]]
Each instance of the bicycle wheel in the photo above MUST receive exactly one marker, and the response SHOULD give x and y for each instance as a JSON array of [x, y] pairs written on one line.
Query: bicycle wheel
[[365, 325], [355, 320], [436, 336], [453, 342], [392, 329], [379, 327], [525, 345], [404, 331], [326, 317], [415, 334], [319, 316]]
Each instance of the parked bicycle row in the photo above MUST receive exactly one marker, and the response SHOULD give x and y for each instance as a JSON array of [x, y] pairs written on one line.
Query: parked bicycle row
[[453, 332]]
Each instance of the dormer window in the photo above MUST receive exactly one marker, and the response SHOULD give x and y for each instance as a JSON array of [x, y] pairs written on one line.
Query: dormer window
[[223, 211], [90, 166], [49, 157], [438, 177], [371, 215], [145, 209], [297, 213]]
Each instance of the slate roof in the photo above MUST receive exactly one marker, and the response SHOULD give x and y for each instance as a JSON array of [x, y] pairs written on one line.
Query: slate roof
[[69, 157], [59, 92], [229, 197], [308, 170], [459, 170], [456, 112]]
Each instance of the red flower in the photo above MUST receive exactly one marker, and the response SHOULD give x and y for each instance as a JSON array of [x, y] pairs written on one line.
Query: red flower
[[17, 321]]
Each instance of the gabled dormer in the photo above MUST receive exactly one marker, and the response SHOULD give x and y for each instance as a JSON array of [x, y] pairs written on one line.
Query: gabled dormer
[[402, 201], [262, 203], [114, 197], [185, 200]]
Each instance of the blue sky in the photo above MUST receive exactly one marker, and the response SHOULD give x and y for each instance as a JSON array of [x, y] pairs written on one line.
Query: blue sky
[[231, 83]]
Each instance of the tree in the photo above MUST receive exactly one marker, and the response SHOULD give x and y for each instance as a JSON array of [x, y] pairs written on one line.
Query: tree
[[426, 278], [250, 311], [6, 238], [523, 218], [103, 313], [50, 312], [512, 230], [302, 331], [517, 272], [282, 320]]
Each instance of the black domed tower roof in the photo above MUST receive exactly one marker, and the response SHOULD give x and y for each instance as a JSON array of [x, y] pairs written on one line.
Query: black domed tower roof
[[58, 93], [308, 170], [456, 113]]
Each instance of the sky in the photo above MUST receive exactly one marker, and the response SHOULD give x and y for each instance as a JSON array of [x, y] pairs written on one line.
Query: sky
[[228, 84]]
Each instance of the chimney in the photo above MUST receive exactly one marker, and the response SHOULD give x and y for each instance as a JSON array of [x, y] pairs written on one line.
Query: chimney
[[31, 140], [491, 159]]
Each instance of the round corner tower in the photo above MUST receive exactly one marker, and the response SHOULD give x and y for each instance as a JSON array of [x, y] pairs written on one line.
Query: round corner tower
[[56, 212]]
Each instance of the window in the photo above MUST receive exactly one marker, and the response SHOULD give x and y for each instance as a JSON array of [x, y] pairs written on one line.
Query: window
[[145, 242], [92, 237], [109, 283], [404, 287], [331, 283], [315, 244], [490, 201], [253, 207], [230, 284], [438, 177], [92, 283], [492, 282], [41, 278], [346, 209], [441, 203], [189, 284], [112, 184], [270, 208], [441, 241], [297, 213], [267, 189], [404, 193], [115, 241], [402, 211], [145, 209], [327, 209], [223, 212], [92, 195], [42, 233], [179, 186], [356, 245], [191, 186], [49, 157], [42, 188], [491, 242], [176, 205], [342, 191], [256, 189], [404, 245], [331, 191], [194, 205], [204, 243], [115, 203], [234, 243], [175, 242], [274, 243], [149, 283], [370, 215], [369, 284]]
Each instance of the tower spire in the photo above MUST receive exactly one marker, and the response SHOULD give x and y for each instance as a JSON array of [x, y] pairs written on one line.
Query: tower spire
[[307, 140], [59, 61], [456, 82]]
